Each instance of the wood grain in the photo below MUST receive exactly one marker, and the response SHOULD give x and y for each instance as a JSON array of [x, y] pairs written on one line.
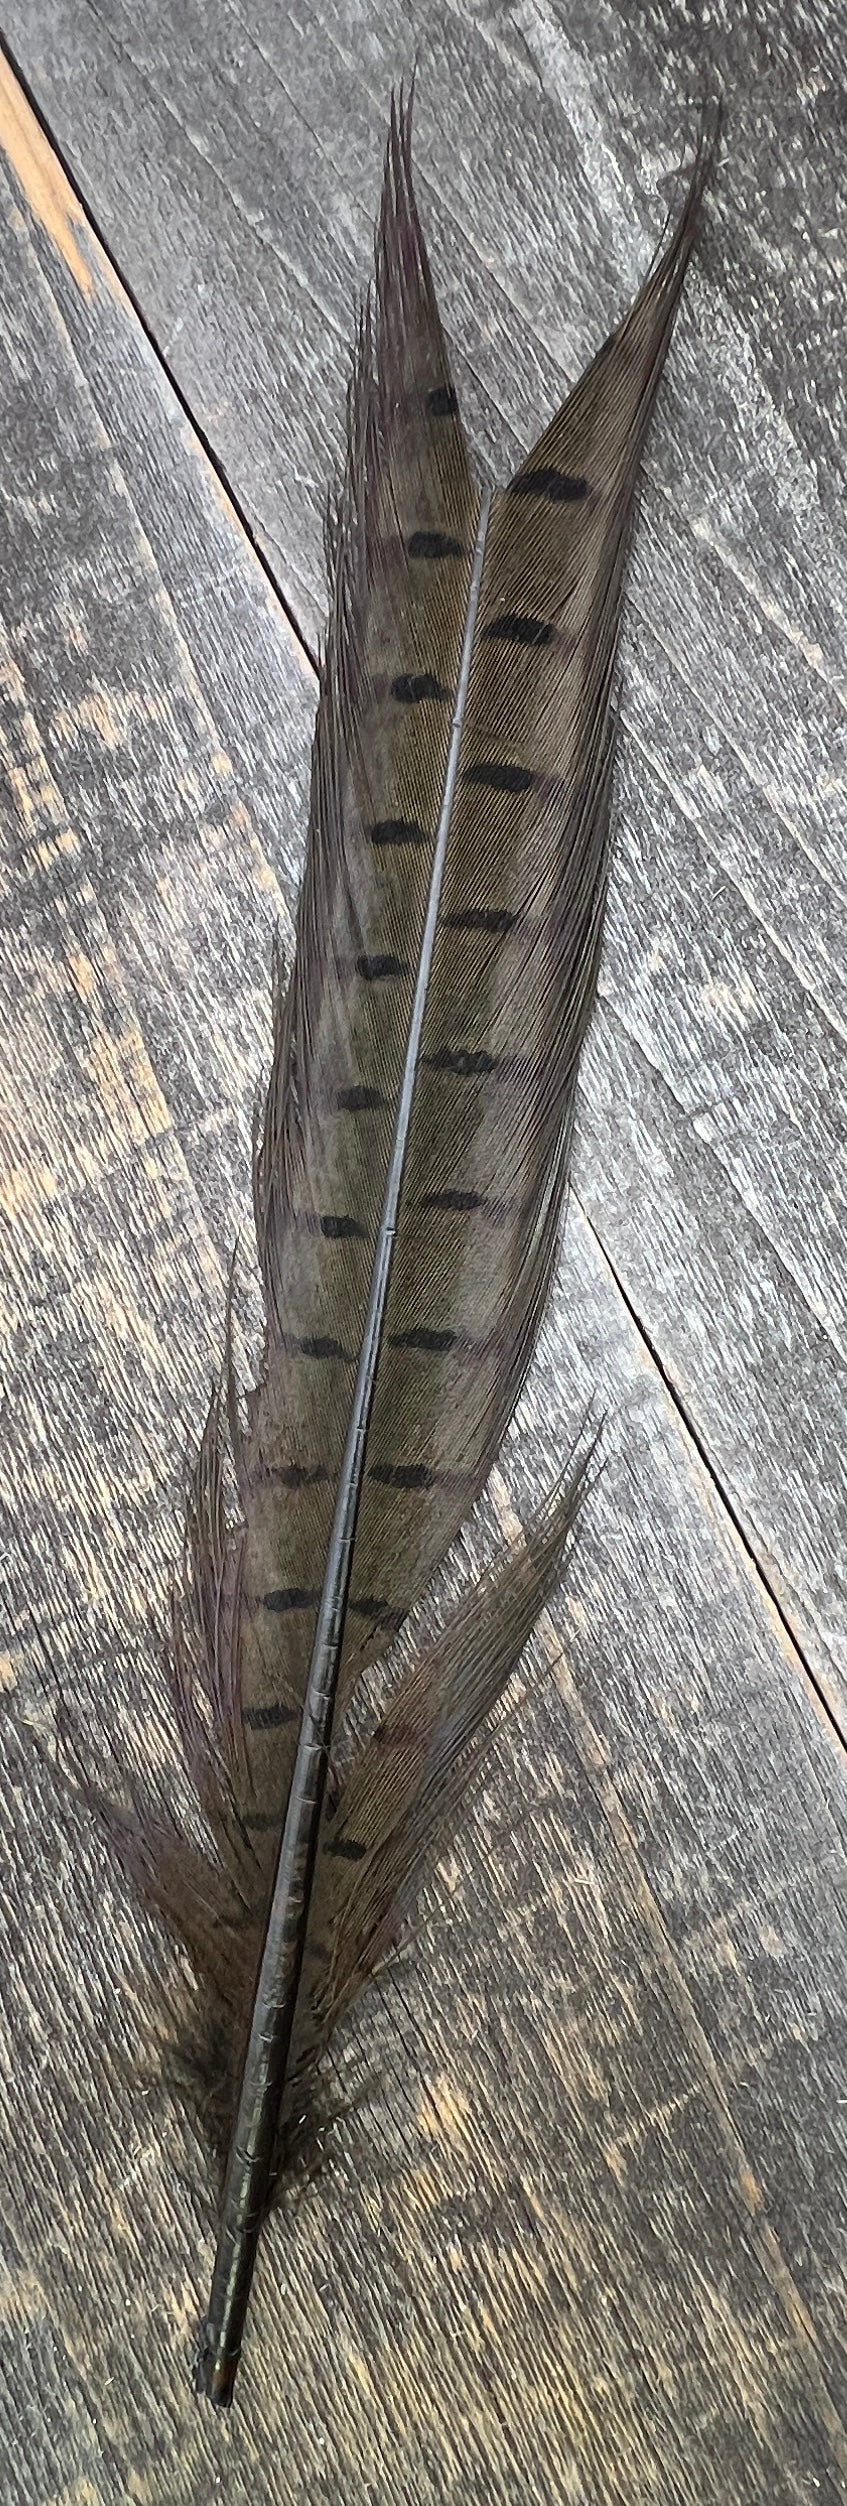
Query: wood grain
[[584, 2236]]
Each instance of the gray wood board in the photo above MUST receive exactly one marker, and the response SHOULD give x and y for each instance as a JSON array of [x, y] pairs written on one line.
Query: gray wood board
[[584, 2236], [232, 159]]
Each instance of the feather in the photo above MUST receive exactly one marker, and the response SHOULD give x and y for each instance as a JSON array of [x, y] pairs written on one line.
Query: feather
[[410, 1170]]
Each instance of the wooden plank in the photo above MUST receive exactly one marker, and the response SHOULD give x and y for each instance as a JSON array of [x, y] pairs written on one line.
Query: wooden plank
[[582, 2239], [233, 160]]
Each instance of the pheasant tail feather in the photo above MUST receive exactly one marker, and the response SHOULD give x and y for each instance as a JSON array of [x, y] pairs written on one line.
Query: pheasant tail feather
[[466, 715]]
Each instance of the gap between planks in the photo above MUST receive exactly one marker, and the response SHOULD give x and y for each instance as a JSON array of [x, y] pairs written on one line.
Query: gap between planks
[[25, 109], [121, 286]]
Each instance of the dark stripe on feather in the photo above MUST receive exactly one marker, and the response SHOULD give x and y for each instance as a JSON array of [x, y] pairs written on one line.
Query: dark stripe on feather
[[419, 1475], [494, 918], [451, 1198], [268, 1718], [378, 1611], [420, 1338], [454, 1199], [498, 776], [317, 1345], [442, 402], [405, 1736], [434, 544], [348, 1848], [558, 485], [465, 1063], [378, 970], [512, 628], [404, 1474], [424, 689], [336, 1224], [387, 831], [291, 1597], [360, 1101]]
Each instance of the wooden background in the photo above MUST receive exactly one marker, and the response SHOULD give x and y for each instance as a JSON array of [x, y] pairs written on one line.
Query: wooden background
[[581, 2236]]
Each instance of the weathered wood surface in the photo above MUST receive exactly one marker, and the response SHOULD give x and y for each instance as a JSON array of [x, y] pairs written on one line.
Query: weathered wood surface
[[233, 161], [585, 2237]]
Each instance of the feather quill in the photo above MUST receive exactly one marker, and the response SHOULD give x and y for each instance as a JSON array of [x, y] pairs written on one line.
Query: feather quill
[[410, 1168]]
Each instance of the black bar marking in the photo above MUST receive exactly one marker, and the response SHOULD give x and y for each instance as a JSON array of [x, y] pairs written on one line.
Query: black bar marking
[[434, 544], [454, 1199], [420, 1338], [317, 1344], [442, 402], [512, 628], [387, 831], [404, 1475], [450, 1199], [418, 1475], [348, 1848], [261, 1822], [378, 1611], [424, 689], [267, 1718], [378, 969], [335, 1224], [498, 776], [559, 486], [406, 1736], [494, 918], [291, 1597], [360, 1101], [465, 1063], [300, 1474]]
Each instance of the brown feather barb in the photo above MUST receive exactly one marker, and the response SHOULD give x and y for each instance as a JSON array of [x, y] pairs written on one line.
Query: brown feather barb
[[410, 1169]]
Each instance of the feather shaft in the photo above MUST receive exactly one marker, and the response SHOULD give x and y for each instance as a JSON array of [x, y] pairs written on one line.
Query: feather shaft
[[251, 2151]]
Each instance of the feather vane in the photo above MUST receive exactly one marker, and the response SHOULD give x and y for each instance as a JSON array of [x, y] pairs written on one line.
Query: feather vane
[[410, 1171]]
